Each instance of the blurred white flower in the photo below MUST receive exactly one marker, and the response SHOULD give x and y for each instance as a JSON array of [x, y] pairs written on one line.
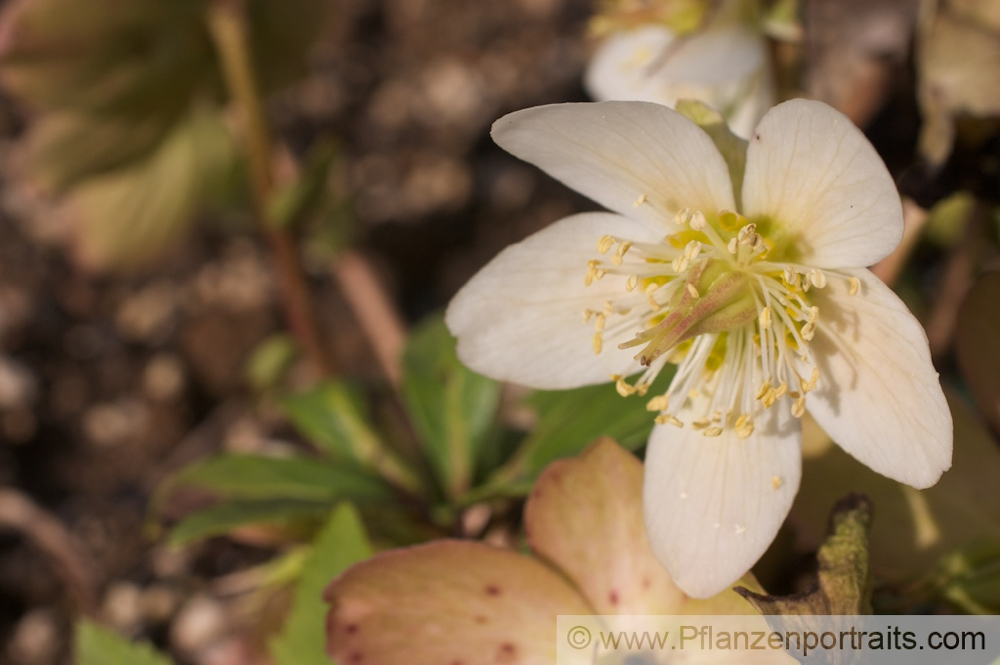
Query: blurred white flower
[[725, 66], [745, 268]]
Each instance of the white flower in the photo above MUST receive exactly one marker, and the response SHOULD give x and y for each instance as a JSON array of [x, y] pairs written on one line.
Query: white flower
[[725, 66], [749, 275]]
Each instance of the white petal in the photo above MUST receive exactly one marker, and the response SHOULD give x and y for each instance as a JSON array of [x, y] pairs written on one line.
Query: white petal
[[817, 176], [713, 505], [879, 396], [620, 68], [520, 318], [723, 67], [620, 153]]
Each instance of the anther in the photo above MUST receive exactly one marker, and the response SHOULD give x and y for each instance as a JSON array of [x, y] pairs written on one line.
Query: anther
[[776, 482], [746, 233], [620, 252], [818, 278], [623, 388], [587, 313], [811, 383], [639, 201], [698, 220], [599, 322], [764, 387], [683, 217], [692, 290], [658, 403], [692, 250], [799, 407], [631, 283], [604, 243], [667, 419], [855, 286], [712, 432], [808, 331], [597, 343], [764, 318], [732, 246]]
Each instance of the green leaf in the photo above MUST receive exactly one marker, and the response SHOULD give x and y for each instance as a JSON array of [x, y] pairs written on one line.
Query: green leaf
[[95, 645], [333, 417], [341, 543], [225, 517], [261, 477], [970, 577], [292, 204], [452, 408], [570, 420], [125, 217], [270, 361]]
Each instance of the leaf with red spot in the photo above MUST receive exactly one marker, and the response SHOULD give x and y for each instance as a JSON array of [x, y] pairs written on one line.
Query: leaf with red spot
[[585, 516], [449, 602]]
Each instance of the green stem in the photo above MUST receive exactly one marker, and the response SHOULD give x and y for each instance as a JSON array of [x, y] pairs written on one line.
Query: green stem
[[228, 26]]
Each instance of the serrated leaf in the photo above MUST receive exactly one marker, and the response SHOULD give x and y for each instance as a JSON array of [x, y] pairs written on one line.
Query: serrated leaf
[[341, 543], [228, 516], [452, 408], [334, 418], [570, 420], [261, 477], [96, 645]]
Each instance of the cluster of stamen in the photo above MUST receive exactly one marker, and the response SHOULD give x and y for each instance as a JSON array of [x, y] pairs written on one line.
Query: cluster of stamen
[[709, 299]]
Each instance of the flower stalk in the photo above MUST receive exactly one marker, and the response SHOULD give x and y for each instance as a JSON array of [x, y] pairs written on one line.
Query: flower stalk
[[229, 29]]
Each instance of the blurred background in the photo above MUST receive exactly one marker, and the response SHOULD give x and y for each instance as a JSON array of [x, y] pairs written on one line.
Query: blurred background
[[184, 246]]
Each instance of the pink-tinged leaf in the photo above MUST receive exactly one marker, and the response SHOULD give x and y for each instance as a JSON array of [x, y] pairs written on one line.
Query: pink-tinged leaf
[[585, 516], [448, 602]]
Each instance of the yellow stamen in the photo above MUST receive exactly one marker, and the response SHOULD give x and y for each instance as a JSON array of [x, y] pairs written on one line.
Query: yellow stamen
[[764, 318], [623, 388], [855, 286], [605, 243], [799, 407], [667, 419], [818, 278], [658, 403]]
